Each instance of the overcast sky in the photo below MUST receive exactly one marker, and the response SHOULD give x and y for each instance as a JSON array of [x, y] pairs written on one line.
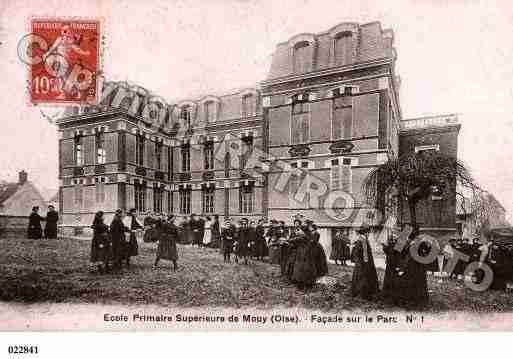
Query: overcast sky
[[453, 56]]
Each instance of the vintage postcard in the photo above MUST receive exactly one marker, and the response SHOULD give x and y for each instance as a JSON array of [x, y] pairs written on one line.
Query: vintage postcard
[[256, 165]]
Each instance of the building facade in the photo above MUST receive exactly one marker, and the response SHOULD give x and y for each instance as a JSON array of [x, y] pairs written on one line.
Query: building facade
[[327, 114]]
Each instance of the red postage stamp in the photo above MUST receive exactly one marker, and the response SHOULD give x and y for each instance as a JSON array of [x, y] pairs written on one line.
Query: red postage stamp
[[64, 60]]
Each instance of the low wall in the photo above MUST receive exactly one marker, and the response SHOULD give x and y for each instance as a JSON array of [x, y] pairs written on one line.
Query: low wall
[[13, 226]]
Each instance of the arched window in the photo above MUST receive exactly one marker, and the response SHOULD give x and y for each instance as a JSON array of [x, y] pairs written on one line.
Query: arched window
[[302, 57], [344, 48]]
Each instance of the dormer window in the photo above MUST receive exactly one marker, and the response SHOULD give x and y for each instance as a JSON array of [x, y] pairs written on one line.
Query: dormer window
[[344, 48], [302, 57], [185, 116], [210, 111]]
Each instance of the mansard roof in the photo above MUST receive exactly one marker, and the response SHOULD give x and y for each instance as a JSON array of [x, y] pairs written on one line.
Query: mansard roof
[[370, 41]]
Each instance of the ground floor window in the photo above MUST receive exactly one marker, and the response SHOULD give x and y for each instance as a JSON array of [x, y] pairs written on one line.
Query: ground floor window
[[208, 195], [100, 189], [185, 201], [247, 199], [158, 194], [140, 196]]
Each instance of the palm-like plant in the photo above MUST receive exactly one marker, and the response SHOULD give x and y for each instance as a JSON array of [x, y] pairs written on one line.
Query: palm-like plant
[[414, 177]]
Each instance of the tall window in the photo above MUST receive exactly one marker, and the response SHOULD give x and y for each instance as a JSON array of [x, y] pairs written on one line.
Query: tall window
[[210, 114], [170, 203], [302, 57], [208, 151], [139, 150], [227, 160], [158, 155], [158, 194], [140, 196], [247, 150], [341, 175], [247, 199], [344, 48], [79, 195], [185, 201], [342, 119], [296, 179], [208, 196], [248, 106], [79, 150], [185, 116], [100, 189], [186, 158], [300, 123], [101, 153]]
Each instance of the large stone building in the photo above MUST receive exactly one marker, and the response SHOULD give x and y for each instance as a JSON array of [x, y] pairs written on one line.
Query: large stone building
[[328, 112]]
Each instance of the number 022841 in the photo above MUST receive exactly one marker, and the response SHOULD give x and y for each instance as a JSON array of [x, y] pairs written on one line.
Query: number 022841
[[22, 349]]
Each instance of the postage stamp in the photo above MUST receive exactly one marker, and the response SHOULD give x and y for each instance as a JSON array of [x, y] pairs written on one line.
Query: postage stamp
[[64, 60]]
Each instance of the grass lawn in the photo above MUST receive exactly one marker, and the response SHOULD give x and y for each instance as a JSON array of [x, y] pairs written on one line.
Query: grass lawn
[[56, 271]]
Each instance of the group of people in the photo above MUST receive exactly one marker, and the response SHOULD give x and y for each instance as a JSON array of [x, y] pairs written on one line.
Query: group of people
[[35, 230], [113, 246]]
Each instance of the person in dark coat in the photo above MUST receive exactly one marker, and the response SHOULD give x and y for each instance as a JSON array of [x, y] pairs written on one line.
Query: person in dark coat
[[365, 279], [100, 245], [186, 236], [274, 243], [392, 262], [245, 235], [35, 230], [216, 233], [340, 247], [197, 228], [131, 245], [260, 242], [150, 233], [167, 243], [303, 271], [52, 217], [317, 252], [117, 233], [412, 282], [289, 250], [228, 238]]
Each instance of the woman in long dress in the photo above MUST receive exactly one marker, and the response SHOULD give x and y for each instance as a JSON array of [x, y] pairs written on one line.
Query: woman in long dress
[[261, 250], [317, 252], [100, 245], [365, 279], [304, 270], [216, 232], [167, 243], [207, 235]]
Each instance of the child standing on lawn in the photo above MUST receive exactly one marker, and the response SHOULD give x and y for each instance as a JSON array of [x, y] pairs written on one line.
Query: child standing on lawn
[[228, 237]]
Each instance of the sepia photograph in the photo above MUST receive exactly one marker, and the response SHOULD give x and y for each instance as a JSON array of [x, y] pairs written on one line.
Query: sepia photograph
[[242, 165]]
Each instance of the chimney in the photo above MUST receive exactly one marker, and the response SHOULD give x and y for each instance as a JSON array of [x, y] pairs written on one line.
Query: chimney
[[23, 176]]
